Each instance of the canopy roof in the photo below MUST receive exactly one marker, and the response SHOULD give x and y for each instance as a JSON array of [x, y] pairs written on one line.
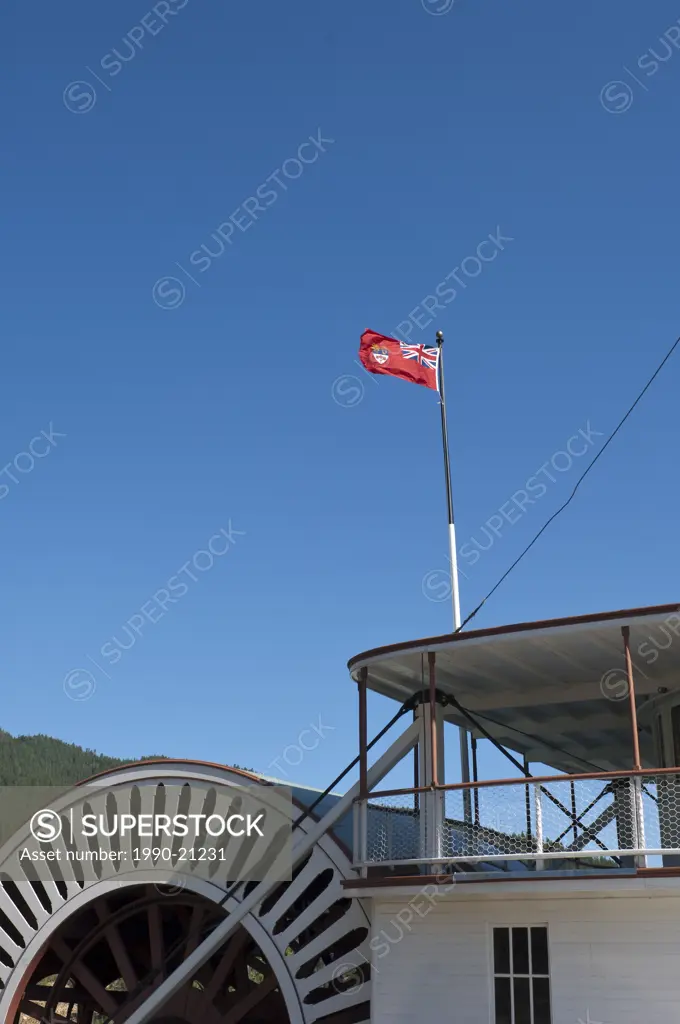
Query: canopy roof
[[555, 690]]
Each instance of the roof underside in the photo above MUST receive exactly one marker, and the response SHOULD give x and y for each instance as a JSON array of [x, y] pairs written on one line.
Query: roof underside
[[554, 690]]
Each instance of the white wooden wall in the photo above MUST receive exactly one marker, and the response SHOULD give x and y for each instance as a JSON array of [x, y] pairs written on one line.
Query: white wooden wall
[[614, 959]]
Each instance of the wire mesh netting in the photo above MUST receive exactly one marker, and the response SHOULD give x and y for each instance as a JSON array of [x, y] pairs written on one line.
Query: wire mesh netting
[[581, 819]]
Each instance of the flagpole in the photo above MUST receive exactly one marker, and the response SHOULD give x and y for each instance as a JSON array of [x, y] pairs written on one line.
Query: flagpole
[[449, 498], [453, 556]]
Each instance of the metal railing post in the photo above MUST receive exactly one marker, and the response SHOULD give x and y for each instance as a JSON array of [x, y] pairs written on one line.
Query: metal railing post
[[363, 833], [538, 809], [639, 813], [360, 834], [632, 814]]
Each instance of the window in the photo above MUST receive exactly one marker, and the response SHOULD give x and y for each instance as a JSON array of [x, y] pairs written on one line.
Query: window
[[521, 976]]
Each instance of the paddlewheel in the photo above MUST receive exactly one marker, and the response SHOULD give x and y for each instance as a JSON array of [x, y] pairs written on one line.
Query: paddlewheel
[[91, 950]]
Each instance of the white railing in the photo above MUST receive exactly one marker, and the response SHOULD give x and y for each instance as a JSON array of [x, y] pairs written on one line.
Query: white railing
[[612, 820]]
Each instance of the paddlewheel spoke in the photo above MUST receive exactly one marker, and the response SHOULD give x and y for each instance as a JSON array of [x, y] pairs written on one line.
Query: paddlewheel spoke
[[106, 960]]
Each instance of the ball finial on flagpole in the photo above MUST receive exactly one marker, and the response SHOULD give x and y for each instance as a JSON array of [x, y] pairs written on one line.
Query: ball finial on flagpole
[[440, 337]]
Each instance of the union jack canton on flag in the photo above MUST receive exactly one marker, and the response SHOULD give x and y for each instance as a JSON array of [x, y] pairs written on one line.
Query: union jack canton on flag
[[425, 355]]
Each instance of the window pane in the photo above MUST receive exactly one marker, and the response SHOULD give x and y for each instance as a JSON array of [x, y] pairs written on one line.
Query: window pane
[[520, 950], [522, 1001], [539, 951], [501, 950], [503, 1014], [541, 1001]]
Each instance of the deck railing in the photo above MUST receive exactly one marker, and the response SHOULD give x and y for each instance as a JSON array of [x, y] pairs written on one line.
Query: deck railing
[[604, 820]]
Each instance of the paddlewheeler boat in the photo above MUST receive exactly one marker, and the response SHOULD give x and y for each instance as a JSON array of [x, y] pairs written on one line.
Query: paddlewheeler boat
[[548, 896]]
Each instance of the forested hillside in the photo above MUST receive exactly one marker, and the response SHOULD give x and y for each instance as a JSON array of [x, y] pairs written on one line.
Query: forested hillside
[[45, 761]]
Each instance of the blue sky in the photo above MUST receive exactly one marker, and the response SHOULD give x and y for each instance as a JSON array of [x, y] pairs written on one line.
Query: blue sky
[[230, 398]]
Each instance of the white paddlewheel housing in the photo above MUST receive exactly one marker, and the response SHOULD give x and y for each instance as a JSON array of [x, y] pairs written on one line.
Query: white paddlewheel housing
[[83, 949]]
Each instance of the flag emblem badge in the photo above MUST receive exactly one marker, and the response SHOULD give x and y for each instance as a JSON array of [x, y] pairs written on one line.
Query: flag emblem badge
[[380, 354]]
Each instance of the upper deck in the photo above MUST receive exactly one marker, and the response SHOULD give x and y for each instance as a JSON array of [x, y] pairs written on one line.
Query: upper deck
[[553, 690], [594, 697]]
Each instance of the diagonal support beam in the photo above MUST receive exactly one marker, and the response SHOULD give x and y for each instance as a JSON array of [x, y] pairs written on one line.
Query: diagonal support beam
[[179, 977], [591, 831], [577, 819]]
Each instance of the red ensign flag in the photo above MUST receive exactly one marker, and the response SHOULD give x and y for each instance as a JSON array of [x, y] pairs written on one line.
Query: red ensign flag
[[417, 363]]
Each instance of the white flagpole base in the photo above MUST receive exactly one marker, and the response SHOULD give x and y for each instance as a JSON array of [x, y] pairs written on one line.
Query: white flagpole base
[[455, 596]]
